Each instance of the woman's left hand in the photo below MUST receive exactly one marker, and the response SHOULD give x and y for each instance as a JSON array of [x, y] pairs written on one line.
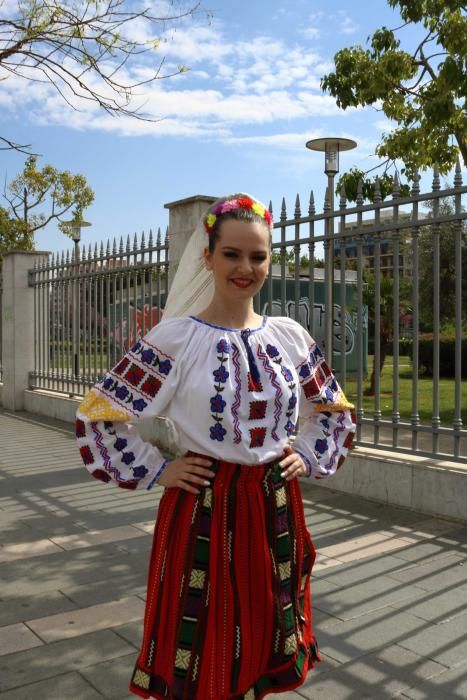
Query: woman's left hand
[[292, 464]]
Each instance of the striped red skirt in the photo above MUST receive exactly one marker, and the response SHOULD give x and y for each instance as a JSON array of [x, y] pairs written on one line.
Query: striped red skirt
[[228, 608]]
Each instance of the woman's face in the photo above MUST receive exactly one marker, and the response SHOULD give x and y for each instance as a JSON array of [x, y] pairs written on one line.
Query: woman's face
[[241, 258]]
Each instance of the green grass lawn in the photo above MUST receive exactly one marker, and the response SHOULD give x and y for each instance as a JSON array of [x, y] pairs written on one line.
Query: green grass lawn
[[425, 393]]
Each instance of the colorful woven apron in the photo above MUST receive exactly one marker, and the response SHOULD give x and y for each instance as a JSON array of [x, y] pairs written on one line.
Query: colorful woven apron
[[228, 608]]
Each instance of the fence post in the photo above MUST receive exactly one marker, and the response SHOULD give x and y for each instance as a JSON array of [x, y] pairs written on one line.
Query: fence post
[[184, 215], [18, 341]]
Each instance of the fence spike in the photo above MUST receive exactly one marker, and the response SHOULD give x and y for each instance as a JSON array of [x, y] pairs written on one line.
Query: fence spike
[[343, 197], [377, 193], [158, 237], [458, 174], [311, 204], [83, 252], [128, 244], [416, 184], [68, 257], [63, 258], [270, 207], [360, 198], [150, 240], [135, 243], [166, 242], [143, 240], [114, 247], [89, 252], [101, 252], [107, 250], [120, 247], [298, 211], [396, 190], [436, 186], [283, 210]]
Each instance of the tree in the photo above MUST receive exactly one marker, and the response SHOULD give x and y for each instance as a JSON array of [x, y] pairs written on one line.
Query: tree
[[447, 266], [386, 308], [423, 91], [351, 179], [59, 191], [86, 50], [12, 235]]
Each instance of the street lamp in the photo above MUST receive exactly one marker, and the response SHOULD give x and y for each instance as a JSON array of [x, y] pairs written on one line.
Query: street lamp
[[331, 148], [73, 229]]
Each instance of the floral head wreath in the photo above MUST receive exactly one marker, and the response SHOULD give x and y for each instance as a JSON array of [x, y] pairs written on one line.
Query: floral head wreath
[[232, 204]]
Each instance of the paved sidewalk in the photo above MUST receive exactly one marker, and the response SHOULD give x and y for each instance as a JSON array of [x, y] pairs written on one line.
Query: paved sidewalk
[[389, 590]]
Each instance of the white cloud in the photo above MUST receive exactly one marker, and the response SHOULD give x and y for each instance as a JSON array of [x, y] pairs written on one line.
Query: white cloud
[[234, 84], [345, 23]]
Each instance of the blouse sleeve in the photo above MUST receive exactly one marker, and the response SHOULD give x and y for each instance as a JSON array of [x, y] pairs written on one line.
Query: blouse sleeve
[[139, 387], [327, 422]]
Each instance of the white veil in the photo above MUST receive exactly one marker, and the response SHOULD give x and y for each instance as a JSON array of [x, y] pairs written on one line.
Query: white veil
[[192, 287]]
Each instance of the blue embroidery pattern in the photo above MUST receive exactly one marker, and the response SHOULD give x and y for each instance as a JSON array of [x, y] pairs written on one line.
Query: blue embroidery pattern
[[275, 356], [273, 377], [217, 431], [236, 404]]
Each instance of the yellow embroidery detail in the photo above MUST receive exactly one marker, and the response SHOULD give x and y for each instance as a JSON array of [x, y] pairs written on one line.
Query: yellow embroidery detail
[[96, 408], [249, 695], [281, 498], [207, 502], [197, 578], [182, 658], [284, 570], [141, 679], [195, 667], [341, 404], [290, 645]]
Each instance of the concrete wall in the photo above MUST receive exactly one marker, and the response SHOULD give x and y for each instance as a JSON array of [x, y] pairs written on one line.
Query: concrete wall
[[417, 483]]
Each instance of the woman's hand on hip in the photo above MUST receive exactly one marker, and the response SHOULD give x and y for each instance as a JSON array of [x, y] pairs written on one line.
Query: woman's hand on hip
[[292, 464], [186, 471]]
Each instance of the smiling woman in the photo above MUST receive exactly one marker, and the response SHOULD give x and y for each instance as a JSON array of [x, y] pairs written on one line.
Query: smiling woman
[[228, 611]]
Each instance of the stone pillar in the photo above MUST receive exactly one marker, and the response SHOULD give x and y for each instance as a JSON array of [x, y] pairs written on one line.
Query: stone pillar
[[184, 215], [18, 325]]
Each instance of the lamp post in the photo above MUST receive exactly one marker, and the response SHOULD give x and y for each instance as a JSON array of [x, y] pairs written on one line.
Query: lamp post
[[74, 227], [331, 148]]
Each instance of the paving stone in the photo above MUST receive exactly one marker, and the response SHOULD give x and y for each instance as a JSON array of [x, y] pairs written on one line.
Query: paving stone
[[25, 550], [361, 547], [382, 674], [361, 636], [445, 643], [448, 685], [27, 607], [359, 599], [132, 632], [424, 551], [111, 678], [60, 657], [85, 620], [360, 571], [17, 637], [59, 571], [70, 685], [102, 591], [96, 537], [437, 607], [439, 574]]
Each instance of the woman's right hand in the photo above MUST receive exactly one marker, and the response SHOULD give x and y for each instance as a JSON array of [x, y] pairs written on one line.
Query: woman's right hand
[[186, 470]]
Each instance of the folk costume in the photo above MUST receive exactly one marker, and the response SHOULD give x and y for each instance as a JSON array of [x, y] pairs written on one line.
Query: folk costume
[[228, 608]]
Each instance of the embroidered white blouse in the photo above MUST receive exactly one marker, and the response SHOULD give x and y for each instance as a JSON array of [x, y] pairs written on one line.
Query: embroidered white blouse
[[232, 394]]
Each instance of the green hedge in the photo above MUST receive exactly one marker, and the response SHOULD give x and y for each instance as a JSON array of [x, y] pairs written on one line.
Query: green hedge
[[446, 355]]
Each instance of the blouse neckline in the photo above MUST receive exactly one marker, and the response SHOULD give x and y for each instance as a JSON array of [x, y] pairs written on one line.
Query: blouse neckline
[[233, 330]]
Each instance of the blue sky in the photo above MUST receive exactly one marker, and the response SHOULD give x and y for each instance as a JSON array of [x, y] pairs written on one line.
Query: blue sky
[[238, 120]]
